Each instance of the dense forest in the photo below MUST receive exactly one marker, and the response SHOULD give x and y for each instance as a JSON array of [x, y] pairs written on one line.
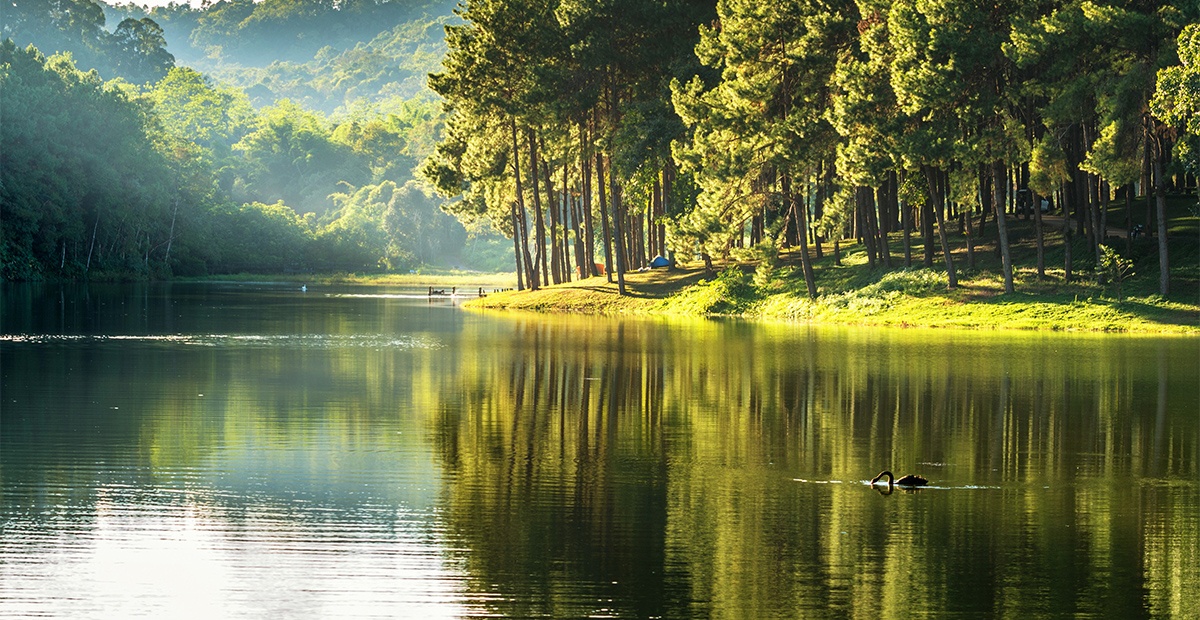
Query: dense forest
[[118, 160], [324, 56], [303, 135], [680, 126]]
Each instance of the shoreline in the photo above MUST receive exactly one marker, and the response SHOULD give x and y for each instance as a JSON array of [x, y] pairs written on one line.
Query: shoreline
[[914, 298]]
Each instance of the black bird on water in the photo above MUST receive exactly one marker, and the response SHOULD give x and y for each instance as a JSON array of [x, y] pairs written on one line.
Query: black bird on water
[[906, 481]]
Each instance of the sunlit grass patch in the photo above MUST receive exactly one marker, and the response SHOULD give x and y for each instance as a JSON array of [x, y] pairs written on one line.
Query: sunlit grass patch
[[730, 292], [854, 293]]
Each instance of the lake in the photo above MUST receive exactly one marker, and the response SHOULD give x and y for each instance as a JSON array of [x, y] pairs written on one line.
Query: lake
[[256, 451]]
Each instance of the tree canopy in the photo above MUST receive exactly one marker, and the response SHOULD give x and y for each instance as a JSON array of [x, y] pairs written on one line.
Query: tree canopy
[[780, 124]]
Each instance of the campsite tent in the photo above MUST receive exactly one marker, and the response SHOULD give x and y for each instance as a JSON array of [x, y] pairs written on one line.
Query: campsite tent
[[659, 261]]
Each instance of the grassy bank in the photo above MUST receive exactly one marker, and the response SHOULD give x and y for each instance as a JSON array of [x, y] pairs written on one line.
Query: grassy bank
[[854, 293]]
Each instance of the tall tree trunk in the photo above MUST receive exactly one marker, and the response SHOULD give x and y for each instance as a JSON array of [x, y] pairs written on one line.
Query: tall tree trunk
[[1160, 201], [927, 231], [982, 232], [540, 221], [565, 218], [522, 225], [1093, 215], [170, 236], [585, 172], [985, 200], [92, 246], [607, 232], [1128, 189], [938, 202], [1147, 172], [863, 202], [882, 199], [614, 191], [581, 267], [638, 239], [800, 216], [668, 181], [1039, 233], [552, 208], [825, 182], [576, 231], [516, 224], [1065, 201], [905, 222], [1105, 206], [999, 176], [653, 241]]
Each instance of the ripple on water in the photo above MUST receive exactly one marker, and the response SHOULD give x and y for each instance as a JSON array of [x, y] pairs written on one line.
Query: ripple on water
[[131, 552], [297, 341]]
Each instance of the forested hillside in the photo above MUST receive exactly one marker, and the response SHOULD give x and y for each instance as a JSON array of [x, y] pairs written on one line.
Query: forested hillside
[[323, 56], [187, 177], [171, 171], [703, 129], [134, 50]]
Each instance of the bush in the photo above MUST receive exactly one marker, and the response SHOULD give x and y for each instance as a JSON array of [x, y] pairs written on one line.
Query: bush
[[730, 293]]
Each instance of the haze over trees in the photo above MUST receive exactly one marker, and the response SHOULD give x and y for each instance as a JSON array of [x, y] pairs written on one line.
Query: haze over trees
[[168, 171], [322, 55]]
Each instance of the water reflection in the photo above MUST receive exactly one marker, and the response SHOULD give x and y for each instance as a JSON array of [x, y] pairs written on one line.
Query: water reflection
[[359, 454], [681, 445]]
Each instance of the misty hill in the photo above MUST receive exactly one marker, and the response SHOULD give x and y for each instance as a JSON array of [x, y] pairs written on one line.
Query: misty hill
[[283, 141], [135, 49], [321, 56]]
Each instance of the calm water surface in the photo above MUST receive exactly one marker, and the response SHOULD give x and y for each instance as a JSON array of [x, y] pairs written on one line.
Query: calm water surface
[[254, 451]]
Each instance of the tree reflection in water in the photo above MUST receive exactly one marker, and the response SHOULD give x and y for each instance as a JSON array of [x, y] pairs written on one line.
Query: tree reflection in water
[[653, 466]]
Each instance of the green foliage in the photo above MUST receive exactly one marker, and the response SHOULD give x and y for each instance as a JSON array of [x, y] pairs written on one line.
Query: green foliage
[[258, 33], [1048, 167], [187, 178], [135, 50], [390, 227], [744, 106], [259, 238], [389, 67], [1115, 267], [1177, 98], [731, 292], [82, 185], [191, 108], [1115, 154], [290, 154]]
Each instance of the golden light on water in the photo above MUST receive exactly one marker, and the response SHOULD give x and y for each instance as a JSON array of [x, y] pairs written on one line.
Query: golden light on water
[[191, 560]]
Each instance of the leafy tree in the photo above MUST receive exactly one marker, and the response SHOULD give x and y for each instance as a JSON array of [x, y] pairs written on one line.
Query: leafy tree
[[135, 51], [191, 107], [82, 186], [290, 155], [1177, 99], [763, 126], [141, 55]]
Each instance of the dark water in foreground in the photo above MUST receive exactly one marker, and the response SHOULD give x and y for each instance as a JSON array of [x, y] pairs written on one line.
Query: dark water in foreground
[[252, 451]]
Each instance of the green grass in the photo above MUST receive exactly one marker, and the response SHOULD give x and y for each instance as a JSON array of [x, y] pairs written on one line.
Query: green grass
[[854, 293]]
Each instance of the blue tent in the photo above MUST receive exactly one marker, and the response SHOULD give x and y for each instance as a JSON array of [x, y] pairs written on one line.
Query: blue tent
[[659, 261]]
